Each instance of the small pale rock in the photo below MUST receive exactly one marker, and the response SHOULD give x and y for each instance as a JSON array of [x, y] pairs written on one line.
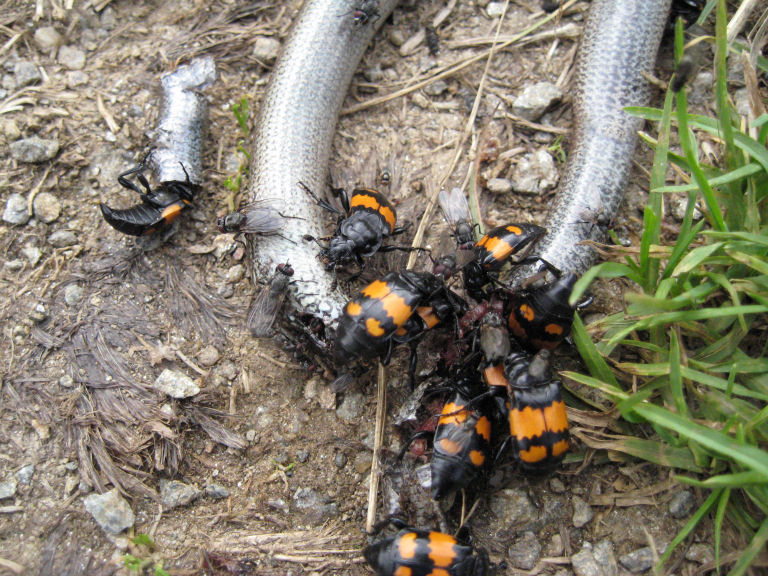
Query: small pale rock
[[279, 504], [363, 462], [499, 186], [174, 493], [216, 491], [316, 508], [302, 456], [327, 398], [513, 505], [638, 561], [582, 512], [555, 546], [250, 435], [32, 254], [227, 369], [208, 356], [702, 87], [557, 486], [70, 484], [75, 78], [535, 173], [62, 238], [25, 473], [72, 57], [374, 74], [8, 488], [16, 210], [340, 460], [26, 73], [436, 88], [47, 207], [34, 149], [495, 9], [235, 273], [66, 381], [681, 504], [266, 50], [14, 265], [110, 510], [176, 384], [536, 99], [741, 100], [420, 100], [73, 294], [351, 407], [10, 129], [47, 38], [606, 560], [525, 552], [700, 553], [678, 203], [584, 563]]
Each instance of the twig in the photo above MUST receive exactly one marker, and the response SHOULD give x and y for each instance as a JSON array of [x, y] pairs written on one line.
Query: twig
[[12, 566], [188, 362], [378, 437], [739, 19], [36, 189], [108, 118]]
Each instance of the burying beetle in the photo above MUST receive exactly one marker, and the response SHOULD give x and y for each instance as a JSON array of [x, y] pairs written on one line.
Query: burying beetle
[[158, 208]]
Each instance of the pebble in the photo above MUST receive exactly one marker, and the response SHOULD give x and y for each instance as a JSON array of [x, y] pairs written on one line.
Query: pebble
[[701, 88], [278, 504], [176, 384], [582, 512], [250, 435], [302, 456], [266, 50], [47, 207], [495, 9], [741, 101], [226, 291], [110, 510], [525, 552], [8, 488], [72, 57], [235, 274], [25, 473], [513, 505], [216, 491], [208, 356], [14, 265], [62, 238], [316, 508], [436, 88], [584, 563], [535, 99], [174, 494], [681, 504], [374, 74], [26, 73], [700, 553], [557, 486], [10, 129], [34, 149], [499, 186], [363, 462], [66, 381], [73, 294], [47, 38], [227, 369], [535, 173], [16, 210], [605, 558], [75, 78], [678, 203], [638, 561], [351, 407], [341, 460]]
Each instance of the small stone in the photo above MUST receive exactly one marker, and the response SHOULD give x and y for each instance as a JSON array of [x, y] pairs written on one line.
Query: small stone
[[32, 254], [606, 560], [638, 561], [341, 460], [363, 462], [316, 508], [278, 504], [677, 205], [110, 510], [108, 18], [525, 552], [557, 486], [174, 494], [8, 488], [266, 50], [73, 294], [34, 149], [72, 57], [208, 356], [235, 274], [250, 435], [47, 207], [302, 456], [536, 99], [681, 504], [436, 88], [66, 381], [10, 129], [374, 74], [216, 491], [555, 546], [701, 87], [70, 484], [26, 73], [176, 384], [495, 9], [535, 173], [38, 313], [582, 512], [227, 369], [420, 100], [499, 186], [351, 407], [584, 563], [47, 38], [14, 265], [700, 553], [226, 290], [62, 238], [75, 78], [16, 210], [513, 505], [25, 473]]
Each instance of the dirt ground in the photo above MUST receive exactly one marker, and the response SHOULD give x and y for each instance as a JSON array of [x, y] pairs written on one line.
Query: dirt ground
[[89, 323]]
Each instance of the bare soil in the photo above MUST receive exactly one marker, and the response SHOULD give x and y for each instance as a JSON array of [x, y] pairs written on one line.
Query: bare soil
[[77, 400]]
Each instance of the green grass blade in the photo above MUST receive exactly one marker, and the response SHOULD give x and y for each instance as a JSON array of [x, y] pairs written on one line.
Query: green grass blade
[[756, 546], [694, 520]]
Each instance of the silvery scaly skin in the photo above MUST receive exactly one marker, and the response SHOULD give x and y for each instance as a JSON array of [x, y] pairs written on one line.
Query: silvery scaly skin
[[620, 43], [292, 144], [179, 136]]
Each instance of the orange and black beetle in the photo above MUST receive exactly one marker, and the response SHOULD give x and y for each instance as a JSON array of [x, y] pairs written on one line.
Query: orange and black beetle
[[541, 318], [538, 424], [395, 309], [158, 208], [422, 553]]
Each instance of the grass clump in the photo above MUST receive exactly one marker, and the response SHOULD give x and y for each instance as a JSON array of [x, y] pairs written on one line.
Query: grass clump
[[697, 330]]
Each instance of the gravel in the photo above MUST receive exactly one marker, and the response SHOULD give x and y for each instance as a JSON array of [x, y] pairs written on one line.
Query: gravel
[[72, 57], [110, 510], [174, 494], [26, 73], [176, 384], [208, 356], [638, 561], [681, 505], [34, 149], [16, 210], [62, 238], [47, 207], [525, 552], [8, 488], [351, 407], [535, 173], [582, 512], [535, 99]]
